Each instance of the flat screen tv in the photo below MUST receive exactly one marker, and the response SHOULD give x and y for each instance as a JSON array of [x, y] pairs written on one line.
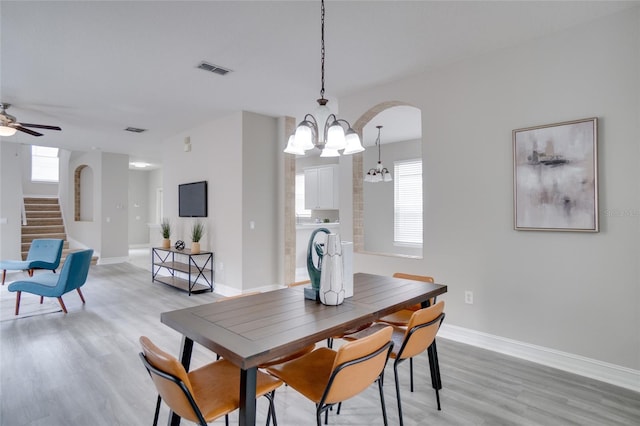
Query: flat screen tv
[[192, 199]]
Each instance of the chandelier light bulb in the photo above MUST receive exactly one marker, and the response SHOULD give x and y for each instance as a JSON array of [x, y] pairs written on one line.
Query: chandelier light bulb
[[292, 147], [304, 136], [7, 131], [335, 137], [353, 145]]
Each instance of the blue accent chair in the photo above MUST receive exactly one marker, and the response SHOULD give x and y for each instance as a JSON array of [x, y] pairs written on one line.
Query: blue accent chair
[[44, 253], [72, 276]]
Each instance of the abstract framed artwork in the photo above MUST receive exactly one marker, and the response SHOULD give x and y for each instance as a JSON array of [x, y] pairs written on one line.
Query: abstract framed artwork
[[555, 177]]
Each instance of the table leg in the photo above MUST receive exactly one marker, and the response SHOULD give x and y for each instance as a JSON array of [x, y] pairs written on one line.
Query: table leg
[[186, 350], [248, 396]]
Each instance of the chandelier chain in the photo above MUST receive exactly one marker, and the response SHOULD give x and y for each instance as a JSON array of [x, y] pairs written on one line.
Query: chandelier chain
[[322, 49]]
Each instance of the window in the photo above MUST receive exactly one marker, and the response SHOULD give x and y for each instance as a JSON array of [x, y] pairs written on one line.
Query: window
[[300, 210], [408, 203], [44, 164]]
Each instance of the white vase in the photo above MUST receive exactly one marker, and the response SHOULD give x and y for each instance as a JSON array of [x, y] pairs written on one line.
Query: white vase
[[332, 272]]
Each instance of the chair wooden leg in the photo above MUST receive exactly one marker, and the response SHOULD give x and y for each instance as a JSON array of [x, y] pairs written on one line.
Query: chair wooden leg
[[4, 275], [18, 294], [81, 296], [64, 308], [41, 299], [30, 272]]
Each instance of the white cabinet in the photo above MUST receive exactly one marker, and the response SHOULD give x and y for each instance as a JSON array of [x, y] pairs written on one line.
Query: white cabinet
[[321, 189]]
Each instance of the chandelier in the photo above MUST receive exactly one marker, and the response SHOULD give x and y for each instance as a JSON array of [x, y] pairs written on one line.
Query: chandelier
[[378, 173], [324, 130]]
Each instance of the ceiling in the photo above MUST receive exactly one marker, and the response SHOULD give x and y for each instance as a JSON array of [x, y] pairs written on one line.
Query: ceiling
[[95, 68]]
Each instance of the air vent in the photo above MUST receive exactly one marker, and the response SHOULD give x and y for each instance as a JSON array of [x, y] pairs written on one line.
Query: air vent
[[135, 130], [213, 68]]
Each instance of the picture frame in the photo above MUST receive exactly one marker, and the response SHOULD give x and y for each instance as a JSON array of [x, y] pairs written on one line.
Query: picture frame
[[555, 177]]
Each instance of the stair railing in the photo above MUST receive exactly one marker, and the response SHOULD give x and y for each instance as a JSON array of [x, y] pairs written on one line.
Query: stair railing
[[24, 213]]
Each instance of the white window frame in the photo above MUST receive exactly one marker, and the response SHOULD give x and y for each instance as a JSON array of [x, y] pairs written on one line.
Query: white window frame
[[45, 164], [299, 197], [407, 203]]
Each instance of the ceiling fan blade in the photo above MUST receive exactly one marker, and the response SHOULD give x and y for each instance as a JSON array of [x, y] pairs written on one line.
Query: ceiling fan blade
[[23, 129], [40, 126]]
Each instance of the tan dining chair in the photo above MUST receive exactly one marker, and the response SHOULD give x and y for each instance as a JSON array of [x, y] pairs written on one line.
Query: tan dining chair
[[328, 377], [204, 394], [401, 318], [410, 341]]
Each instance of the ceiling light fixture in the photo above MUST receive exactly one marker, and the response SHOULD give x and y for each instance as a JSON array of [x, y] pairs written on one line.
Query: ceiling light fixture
[[7, 131], [139, 165], [332, 136], [378, 173]]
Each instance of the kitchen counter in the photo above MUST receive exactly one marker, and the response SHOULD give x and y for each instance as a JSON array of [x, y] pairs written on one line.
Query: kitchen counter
[[316, 225]]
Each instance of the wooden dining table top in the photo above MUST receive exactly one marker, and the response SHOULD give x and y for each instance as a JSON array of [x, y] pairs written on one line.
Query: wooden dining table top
[[251, 330]]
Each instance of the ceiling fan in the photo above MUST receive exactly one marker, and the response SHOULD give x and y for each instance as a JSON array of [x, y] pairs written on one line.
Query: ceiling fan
[[9, 125]]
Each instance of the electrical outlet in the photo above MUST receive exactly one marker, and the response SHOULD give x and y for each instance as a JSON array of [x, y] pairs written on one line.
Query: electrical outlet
[[468, 297]]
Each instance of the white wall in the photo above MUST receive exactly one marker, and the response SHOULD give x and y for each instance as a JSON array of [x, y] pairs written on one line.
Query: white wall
[[138, 203], [115, 225], [10, 200], [223, 153], [573, 292], [379, 199], [83, 233], [216, 156], [155, 183], [259, 206]]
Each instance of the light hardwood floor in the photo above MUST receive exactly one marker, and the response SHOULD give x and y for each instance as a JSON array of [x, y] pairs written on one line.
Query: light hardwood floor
[[83, 369]]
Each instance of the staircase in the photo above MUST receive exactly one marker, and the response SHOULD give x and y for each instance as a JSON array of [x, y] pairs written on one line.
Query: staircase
[[44, 220]]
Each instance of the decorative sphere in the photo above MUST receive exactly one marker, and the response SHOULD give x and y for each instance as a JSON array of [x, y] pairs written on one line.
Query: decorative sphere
[[179, 245]]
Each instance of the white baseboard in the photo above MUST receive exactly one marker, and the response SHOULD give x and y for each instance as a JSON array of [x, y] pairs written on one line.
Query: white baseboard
[[139, 246], [598, 370], [112, 260], [227, 291]]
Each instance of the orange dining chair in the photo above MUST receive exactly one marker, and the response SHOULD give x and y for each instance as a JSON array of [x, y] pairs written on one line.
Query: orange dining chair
[[204, 394], [410, 341], [328, 377], [401, 318]]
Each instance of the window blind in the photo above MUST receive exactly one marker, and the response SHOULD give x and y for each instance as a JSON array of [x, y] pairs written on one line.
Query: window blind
[[408, 202], [44, 164]]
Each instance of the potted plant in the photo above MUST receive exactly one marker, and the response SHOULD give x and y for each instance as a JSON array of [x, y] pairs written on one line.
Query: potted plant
[[165, 229], [197, 230]]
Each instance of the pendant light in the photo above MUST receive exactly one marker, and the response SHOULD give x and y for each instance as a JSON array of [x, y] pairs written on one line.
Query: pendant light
[[324, 130], [378, 173]]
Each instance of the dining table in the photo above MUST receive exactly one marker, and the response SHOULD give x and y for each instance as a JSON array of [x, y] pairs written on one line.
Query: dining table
[[251, 330]]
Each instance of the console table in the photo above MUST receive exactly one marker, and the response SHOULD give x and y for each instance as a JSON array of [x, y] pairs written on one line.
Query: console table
[[197, 268]]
